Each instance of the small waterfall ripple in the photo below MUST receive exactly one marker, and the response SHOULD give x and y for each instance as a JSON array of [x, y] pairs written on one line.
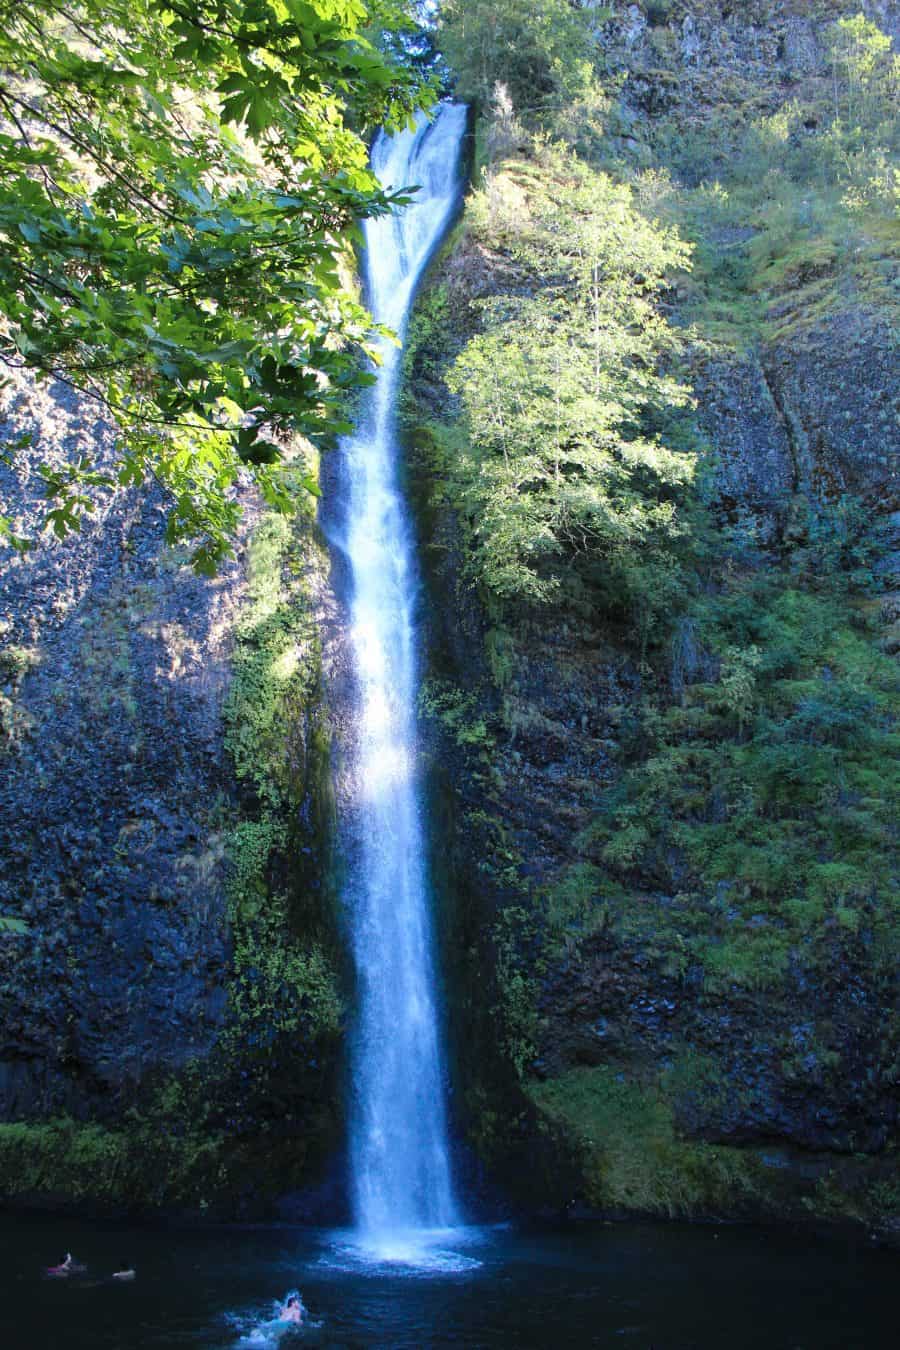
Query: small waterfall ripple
[[400, 1167]]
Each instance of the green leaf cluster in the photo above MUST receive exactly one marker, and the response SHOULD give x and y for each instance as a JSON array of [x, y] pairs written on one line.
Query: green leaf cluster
[[179, 188]]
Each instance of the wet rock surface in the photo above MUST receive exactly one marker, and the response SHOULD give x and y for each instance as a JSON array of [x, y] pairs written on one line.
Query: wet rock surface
[[755, 471], [169, 1008], [112, 785], [836, 384], [809, 1065]]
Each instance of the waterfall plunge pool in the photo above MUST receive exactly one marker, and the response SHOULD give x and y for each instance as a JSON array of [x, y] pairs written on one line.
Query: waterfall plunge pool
[[639, 1286]]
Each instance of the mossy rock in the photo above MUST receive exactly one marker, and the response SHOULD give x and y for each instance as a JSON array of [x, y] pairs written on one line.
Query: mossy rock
[[632, 1157]]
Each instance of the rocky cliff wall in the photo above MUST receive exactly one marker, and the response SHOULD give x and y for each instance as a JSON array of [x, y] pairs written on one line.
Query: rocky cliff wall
[[164, 791], [115, 673], [635, 1029], [692, 1023]]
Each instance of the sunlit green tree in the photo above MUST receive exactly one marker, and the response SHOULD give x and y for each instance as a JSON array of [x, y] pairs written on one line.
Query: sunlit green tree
[[559, 464], [863, 71], [540, 53]]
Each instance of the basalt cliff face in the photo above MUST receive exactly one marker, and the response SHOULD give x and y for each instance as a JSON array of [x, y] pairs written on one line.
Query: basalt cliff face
[[168, 1000], [686, 1014]]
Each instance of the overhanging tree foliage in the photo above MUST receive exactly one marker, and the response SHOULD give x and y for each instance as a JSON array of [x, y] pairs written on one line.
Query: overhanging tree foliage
[[178, 183]]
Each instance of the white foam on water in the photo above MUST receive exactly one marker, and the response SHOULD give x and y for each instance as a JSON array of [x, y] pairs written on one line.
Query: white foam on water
[[268, 1329], [259, 1330], [412, 1254]]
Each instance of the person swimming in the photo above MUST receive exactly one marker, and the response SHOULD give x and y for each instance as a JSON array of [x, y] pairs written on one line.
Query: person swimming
[[292, 1310], [68, 1266]]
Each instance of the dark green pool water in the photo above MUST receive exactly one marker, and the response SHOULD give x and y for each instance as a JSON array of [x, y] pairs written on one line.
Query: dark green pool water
[[636, 1287]]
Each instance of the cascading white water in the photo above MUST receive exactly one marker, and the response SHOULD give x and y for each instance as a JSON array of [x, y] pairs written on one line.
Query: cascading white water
[[398, 1132]]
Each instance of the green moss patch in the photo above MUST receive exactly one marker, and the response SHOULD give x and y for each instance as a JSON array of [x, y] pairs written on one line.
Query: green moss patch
[[285, 978], [761, 803], [140, 1165], [631, 1155]]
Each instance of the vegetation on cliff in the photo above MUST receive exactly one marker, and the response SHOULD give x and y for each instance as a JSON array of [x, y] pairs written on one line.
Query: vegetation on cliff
[[687, 699], [284, 981]]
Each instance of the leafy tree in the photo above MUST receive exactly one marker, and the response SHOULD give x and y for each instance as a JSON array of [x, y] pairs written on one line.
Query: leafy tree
[[178, 184], [540, 53], [559, 393], [859, 55]]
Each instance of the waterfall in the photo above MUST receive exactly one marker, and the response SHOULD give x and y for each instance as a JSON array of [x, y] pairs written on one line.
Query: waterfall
[[400, 1167]]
